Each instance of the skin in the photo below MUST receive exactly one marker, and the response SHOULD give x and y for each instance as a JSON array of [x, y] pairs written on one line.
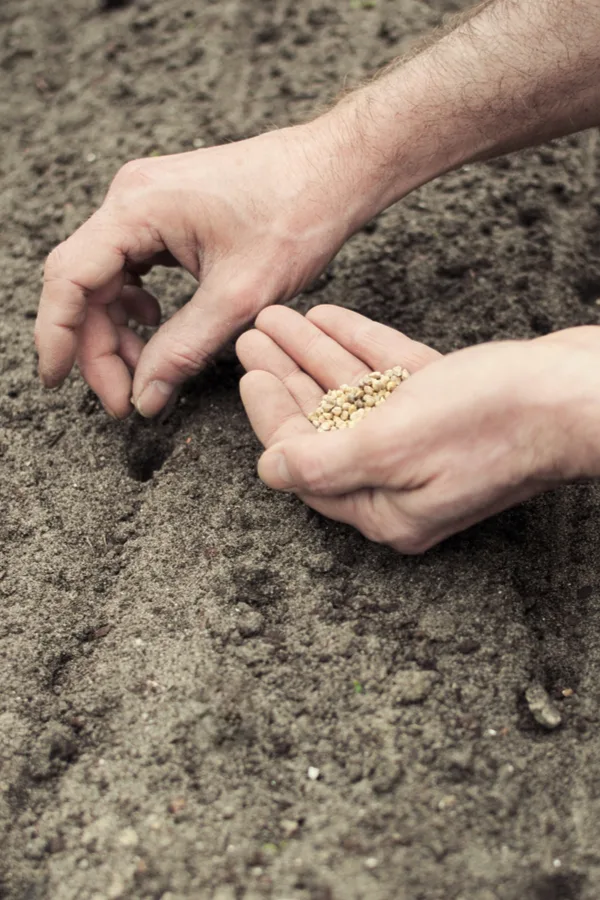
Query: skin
[[256, 222], [446, 449]]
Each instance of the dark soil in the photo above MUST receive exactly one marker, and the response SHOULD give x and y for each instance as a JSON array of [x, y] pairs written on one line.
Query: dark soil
[[178, 645]]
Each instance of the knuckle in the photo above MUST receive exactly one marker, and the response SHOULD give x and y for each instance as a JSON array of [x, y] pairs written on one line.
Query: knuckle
[[186, 358], [382, 524], [53, 262], [372, 522], [134, 174]]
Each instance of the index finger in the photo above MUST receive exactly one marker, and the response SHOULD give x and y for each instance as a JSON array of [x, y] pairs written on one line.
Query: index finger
[[88, 266], [379, 346]]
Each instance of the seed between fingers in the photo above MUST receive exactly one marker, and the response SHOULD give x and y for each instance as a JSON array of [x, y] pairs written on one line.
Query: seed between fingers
[[343, 407]]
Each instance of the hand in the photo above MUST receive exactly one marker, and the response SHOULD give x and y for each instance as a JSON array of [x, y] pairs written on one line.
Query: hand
[[465, 437], [254, 222]]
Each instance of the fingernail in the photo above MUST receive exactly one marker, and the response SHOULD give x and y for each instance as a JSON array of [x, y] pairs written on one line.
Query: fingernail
[[153, 398], [49, 384], [273, 470]]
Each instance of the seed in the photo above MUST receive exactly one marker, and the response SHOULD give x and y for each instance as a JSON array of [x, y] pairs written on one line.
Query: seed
[[345, 406]]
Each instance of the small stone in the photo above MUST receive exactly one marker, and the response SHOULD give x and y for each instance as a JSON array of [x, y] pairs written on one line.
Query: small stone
[[413, 685], [176, 805], [251, 624], [56, 844], [541, 707], [226, 892], [313, 773], [128, 838], [116, 889], [371, 862], [290, 828]]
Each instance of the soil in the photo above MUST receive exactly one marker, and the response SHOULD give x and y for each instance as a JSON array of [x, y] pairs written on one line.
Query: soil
[[178, 645]]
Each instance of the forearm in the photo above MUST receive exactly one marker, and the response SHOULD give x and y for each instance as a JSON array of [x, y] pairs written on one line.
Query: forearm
[[512, 74]]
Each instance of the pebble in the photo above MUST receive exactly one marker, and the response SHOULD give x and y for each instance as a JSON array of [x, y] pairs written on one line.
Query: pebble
[[541, 707], [343, 407], [290, 828], [176, 805], [224, 893], [128, 838], [313, 773], [250, 624], [413, 685]]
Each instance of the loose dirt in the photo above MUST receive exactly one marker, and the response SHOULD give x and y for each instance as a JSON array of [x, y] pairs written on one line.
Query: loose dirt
[[208, 691]]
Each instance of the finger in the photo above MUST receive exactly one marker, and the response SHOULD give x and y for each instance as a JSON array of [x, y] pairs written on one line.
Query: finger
[[335, 463], [257, 350], [378, 346], [186, 343], [140, 305], [346, 508], [322, 357], [272, 411], [130, 347], [100, 363], [274, 416], [88, 266]]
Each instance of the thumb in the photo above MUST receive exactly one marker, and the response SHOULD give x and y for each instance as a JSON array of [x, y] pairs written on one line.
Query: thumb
[[187, 341], [327, 464]]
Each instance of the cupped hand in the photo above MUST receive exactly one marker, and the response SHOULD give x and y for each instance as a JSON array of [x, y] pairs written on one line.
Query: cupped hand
[[254, 222], [466, 436]]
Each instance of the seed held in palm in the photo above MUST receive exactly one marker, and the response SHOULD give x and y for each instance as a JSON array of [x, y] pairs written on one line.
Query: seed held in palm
[[343, 407]]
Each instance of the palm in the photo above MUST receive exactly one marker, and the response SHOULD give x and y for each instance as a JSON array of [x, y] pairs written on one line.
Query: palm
[[293, 360]]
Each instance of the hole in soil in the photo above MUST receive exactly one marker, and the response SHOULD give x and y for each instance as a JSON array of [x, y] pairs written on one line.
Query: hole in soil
[[557, 887], [143, 462], [114, 4]]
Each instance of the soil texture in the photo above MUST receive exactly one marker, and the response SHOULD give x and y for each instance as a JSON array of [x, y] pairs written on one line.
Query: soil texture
[[208, 691]]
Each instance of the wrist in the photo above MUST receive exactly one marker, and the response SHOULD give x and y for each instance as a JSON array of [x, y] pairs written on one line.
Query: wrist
[[385, 140], [574, 407]]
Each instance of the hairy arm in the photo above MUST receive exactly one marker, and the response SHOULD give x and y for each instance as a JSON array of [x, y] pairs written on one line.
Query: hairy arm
[[507, 75]]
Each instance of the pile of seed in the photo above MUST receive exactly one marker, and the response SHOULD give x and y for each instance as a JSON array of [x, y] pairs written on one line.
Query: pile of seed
[[348, 404]]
